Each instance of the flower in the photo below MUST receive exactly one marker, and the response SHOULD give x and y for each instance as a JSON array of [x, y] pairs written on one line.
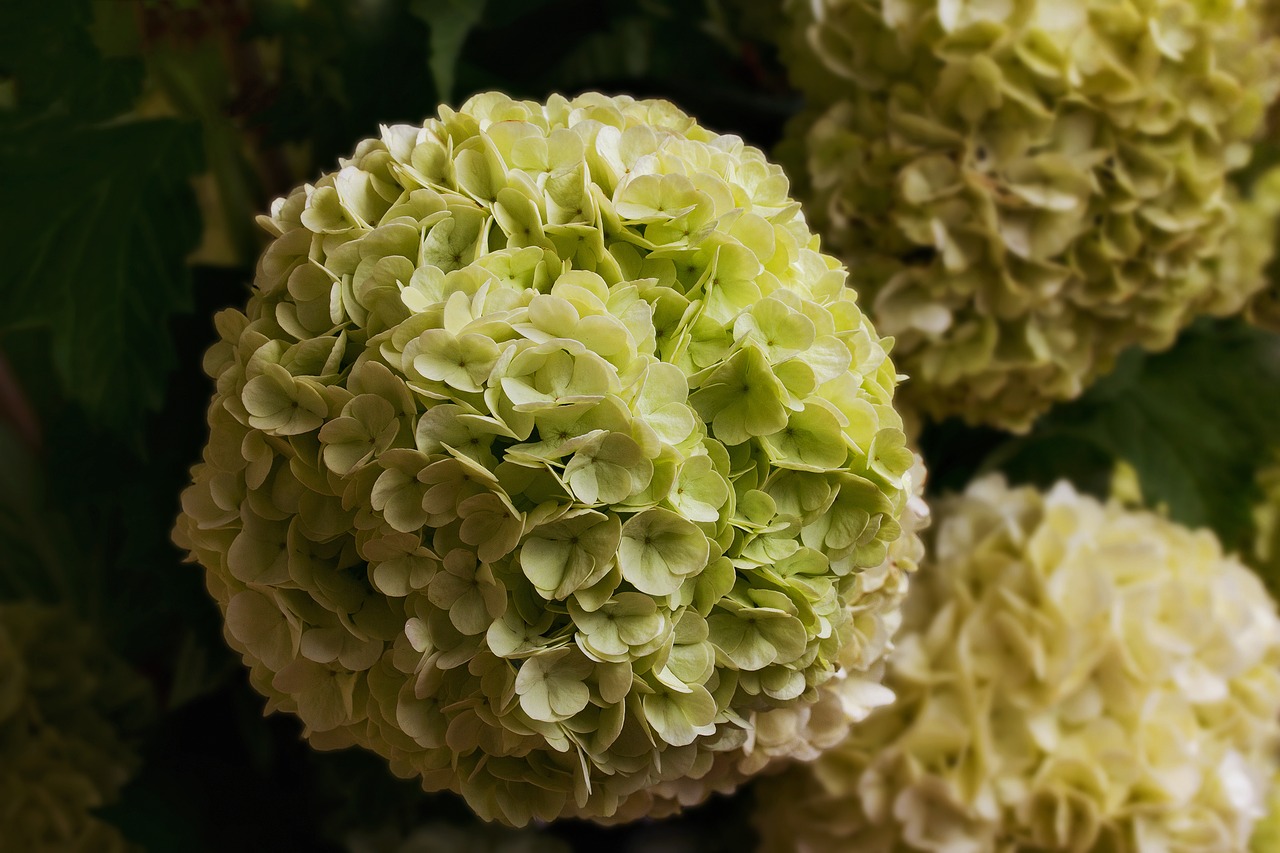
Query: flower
[[68, 713], [553, 462], [1266, 834], [1070, 676], [1025, 189]]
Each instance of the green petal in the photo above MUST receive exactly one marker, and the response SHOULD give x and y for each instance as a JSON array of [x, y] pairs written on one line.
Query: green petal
[[659, 549]]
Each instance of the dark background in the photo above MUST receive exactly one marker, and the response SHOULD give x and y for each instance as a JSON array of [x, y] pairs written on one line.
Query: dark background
[[138, 138]]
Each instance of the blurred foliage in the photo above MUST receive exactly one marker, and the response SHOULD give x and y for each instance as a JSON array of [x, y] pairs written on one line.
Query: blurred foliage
[[138, 138], [98, 214], [1195, 423]]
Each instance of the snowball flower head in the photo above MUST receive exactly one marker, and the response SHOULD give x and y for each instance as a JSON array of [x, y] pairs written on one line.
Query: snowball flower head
[[1071, 676], [1024, 188], [549, 456], [68, 711]]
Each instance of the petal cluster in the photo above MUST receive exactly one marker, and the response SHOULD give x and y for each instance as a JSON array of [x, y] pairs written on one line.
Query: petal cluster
[[1071, 676], [68, 710], [549, 457], [1026, 187]]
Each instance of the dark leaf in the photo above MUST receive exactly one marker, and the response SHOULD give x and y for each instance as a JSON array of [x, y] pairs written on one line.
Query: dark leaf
[[450, 21], [1194, 422], [98, 216]]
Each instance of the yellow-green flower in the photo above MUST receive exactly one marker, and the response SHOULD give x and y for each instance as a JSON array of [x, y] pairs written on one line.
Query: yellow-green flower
[[552, 461], [68, 711], [1071, 676], [1266, 834], [1024, 188]]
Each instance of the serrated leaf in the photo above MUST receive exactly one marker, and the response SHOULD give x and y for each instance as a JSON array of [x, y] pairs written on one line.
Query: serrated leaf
[[106, 268], [623, 52], [195, 80], [98, 217], [450, 22]]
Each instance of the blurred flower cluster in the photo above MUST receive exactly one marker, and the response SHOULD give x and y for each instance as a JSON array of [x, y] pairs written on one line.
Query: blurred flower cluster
[[1071, 676], [1024, 189], [69, 710]]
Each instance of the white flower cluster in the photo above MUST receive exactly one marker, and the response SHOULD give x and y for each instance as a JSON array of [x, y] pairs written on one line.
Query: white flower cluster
[[1072, 676]]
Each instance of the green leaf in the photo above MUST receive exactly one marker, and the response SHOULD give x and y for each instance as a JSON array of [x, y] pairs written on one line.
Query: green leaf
[[98, 220], [551, 686], [451, 21], [1195, 423], [623, 52], [196, 81]]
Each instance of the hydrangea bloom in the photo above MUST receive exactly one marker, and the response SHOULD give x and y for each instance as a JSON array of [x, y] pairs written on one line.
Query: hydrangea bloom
[[1071, 676], [1024, 189], [67, 711], [549, 458]]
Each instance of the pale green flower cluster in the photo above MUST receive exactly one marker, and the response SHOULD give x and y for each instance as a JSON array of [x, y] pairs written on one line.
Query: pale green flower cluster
[[1024, 188], [1266, 834], [802, 732], [550, 457], [68, 709], [1071, 676]]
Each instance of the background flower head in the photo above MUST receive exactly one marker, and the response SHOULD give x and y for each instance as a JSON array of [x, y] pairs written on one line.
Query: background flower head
[[1024, 189], [1071, 676]]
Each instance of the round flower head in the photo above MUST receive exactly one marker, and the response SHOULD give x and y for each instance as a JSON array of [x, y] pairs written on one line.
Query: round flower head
[[67, 710], [1071, 676], [549, 457], [1026, 188]]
